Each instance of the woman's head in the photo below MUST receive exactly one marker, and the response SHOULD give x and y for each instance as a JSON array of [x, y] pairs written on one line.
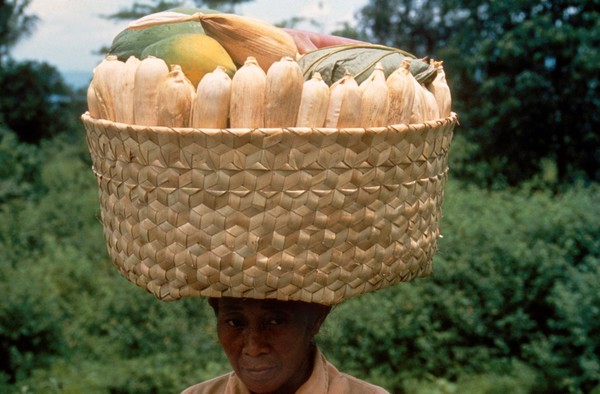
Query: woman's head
[[269, 342]]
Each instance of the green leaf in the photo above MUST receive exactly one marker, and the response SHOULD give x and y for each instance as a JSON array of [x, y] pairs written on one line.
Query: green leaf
[[360, 60]]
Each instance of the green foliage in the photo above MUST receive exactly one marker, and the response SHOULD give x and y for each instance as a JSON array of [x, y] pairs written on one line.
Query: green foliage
[[524, 77], [66, 313], [30, 315], [19, 167], [512, 305], [512, 285], [35, 101]]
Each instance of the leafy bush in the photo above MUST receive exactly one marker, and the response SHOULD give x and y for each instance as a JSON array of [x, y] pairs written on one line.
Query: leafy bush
[[69, 322], [30, 320], [512, 283], [511, 306], [19, 168], [35, 100]]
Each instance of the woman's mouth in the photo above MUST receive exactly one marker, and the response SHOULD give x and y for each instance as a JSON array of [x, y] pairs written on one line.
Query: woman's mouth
[[258, 374]]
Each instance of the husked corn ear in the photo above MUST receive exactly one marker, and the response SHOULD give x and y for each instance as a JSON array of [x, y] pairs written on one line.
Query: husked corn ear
[[344, 103], [401, 91], [92, 100], [175, 99], [124, 95], [374, 99], [106, 85], [314, 102], [441, 91], [283, 93], [246, 109], [211, 108], [241, 36], [149, 76]]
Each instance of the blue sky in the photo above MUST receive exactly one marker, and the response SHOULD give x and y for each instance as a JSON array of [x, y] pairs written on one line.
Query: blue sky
[[71, 31]]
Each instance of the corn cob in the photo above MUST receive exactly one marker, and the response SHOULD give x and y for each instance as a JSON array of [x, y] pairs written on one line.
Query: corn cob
[[92, 99], [432, 111], [106, 85], [374, 102], [401, 90], [344, 103], [149, 75], [283, 93], [211, 108], [175, 99], [441, 91], [419, 108], [314, 103], [248, 85], [124, 95]]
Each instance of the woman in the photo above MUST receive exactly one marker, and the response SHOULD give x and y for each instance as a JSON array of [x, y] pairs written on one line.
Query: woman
[[270, 346]]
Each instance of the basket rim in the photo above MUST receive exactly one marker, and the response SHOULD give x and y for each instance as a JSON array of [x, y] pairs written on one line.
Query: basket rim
[[399, 127]]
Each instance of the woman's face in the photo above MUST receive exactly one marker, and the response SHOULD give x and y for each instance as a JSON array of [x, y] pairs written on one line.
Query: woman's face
[[268, 342]]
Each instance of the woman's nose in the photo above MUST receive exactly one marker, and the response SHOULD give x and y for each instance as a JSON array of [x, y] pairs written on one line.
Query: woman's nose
[[255, 342]]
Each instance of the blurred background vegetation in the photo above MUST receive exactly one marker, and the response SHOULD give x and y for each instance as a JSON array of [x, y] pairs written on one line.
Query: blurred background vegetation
[[513, 304]]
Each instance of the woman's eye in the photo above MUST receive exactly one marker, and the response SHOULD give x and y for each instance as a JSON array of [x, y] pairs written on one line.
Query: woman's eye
[[234, 323], [275, 321]]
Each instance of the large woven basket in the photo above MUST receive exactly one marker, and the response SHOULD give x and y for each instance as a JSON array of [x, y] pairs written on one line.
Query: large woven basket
[[315, 215]]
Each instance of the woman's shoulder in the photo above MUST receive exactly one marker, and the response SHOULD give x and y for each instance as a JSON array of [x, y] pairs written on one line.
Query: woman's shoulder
[[213, 386]]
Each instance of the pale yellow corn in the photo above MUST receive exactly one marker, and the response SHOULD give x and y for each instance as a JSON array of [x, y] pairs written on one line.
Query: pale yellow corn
[[125, 94], [432, 112], [92, 100], [344, 103], [149, 76], [374, 101], [106, 85], [283, 93], [419, 112], [246, 109], [211, 108], [314, 102], [401, 90], [441, 91], [175, 99]]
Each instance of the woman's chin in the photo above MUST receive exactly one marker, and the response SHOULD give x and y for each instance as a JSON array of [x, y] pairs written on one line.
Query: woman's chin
[[260, 380]]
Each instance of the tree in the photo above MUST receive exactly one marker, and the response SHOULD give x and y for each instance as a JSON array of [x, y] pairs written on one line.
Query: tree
[[524, 75], [35, 101], [414, 25], [15, 24]]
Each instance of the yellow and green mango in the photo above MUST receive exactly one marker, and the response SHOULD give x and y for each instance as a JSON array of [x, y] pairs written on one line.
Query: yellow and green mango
[[197, 54], [133, 42]]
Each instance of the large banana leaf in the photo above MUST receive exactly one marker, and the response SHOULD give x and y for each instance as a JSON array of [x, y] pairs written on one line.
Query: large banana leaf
[[360, 61]]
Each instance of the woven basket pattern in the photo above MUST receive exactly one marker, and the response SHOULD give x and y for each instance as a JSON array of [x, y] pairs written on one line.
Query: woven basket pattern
[[315, 215]]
